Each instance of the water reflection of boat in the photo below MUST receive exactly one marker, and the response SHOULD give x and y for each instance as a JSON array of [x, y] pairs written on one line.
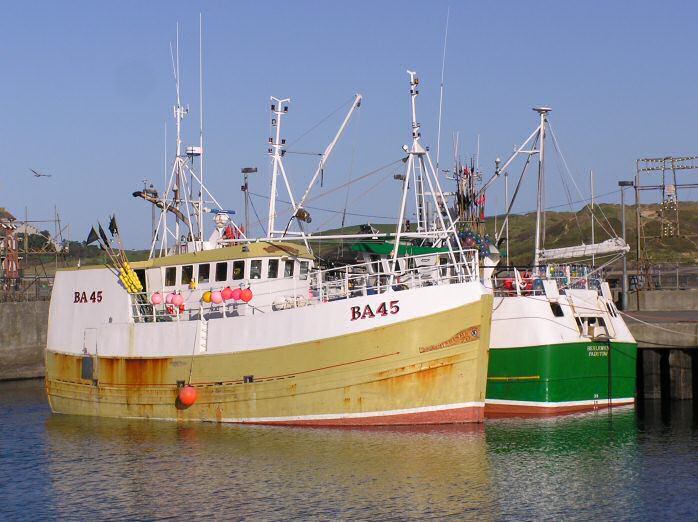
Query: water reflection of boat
[[255, 331], [152, 469]]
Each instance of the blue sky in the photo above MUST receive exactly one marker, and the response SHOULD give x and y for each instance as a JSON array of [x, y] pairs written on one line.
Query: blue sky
[[87, 92]]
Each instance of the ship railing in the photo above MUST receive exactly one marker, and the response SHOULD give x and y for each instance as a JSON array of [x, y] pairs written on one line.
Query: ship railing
[[321, 286], [530, 283], [370, 278]]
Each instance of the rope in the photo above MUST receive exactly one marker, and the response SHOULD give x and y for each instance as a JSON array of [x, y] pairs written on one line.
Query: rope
[[651, 325]]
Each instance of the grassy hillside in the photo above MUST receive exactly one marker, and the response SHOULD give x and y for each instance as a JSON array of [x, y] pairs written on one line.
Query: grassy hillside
[[562, 229], [573, 228], [570, 228]]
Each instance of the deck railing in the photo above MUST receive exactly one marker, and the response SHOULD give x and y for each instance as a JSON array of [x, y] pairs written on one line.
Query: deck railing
[[530, 282], [320, 286]]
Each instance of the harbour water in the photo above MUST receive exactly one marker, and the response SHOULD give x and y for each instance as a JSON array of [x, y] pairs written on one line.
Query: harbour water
[[636, 464]]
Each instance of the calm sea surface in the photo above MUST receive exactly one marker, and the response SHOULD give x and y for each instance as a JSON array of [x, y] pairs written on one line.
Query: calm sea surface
[[634, 465]]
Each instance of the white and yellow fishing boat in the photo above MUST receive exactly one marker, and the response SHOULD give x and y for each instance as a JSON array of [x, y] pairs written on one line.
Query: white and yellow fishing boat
[[231, 329]]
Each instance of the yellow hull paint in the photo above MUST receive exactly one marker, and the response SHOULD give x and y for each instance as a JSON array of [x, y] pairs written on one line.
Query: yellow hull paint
[[425, 370]]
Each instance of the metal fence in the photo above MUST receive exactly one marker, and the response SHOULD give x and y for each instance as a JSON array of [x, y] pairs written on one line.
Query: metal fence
[[33, 288], [664, 277]]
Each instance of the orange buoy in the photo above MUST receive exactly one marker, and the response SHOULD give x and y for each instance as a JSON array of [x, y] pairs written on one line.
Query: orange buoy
[[187, 395]]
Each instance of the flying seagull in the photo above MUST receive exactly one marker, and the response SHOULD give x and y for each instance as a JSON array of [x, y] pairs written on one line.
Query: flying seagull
[[39, 174]]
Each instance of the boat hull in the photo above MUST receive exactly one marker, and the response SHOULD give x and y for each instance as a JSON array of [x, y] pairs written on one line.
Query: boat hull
[[561, 378], [426, 370]]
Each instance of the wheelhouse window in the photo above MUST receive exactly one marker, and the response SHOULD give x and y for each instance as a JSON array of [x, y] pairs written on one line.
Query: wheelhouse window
[[170, 276], [187, 274], [273, 269], [288, 268], [256, 269], [204, 273], [221, 271], [238, 270], [303, 275]]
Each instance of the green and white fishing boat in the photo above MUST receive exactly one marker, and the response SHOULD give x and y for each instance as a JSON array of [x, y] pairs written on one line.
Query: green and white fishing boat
[[558, 342]]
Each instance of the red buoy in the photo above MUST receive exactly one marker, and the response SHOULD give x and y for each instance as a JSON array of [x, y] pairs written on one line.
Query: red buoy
[[227, 293], [187, 395], [246, 295]]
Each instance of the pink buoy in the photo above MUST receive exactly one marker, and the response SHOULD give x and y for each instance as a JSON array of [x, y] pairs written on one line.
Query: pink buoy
[[216, 297], [236, 294], [246, 295], [177, 299], [156, 298], [227, 293], [169, 298]]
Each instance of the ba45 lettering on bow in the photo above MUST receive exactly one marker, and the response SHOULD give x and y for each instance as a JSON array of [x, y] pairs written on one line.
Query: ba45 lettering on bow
[[366, 312], [87, 297]]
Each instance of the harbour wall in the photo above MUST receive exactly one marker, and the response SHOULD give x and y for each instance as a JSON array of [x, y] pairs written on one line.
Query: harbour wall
[[663, 300], [667, 339], [23, 328]]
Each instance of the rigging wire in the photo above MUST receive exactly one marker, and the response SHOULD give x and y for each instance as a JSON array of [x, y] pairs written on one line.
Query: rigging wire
[[372, 187], [323, 120], [322, 209], [568, 195], [304, 153], [259, 221], [569, 173], [351, 164]]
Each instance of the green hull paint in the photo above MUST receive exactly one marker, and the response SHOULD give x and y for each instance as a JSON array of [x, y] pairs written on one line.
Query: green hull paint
[[562, 372]]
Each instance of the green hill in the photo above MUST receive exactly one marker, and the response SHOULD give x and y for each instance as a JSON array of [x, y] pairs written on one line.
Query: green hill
[[568, 229], [573, 228]]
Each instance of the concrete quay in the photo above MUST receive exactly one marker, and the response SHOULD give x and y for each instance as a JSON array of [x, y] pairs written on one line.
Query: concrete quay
[[23, 328], [666, 330]]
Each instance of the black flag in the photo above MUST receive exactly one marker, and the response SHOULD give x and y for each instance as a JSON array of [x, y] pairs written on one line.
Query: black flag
[[112, 226], [92, 236], [103, 235]]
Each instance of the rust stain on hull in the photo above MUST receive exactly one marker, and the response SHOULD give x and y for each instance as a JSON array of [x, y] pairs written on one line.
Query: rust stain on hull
[[374, 378]]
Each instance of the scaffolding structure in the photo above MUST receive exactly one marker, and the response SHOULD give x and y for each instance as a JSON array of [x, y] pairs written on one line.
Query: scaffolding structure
[[664, 177], [24, 275]]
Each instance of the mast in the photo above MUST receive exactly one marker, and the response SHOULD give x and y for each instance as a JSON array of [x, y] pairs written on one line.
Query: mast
[[591, 181], [543, 111], [277, 150], [506, 211], [418, 158]]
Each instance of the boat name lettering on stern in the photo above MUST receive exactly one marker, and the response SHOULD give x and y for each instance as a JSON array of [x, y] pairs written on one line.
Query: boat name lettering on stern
[[596, 350], [357, 312], [85, 297], [464, 336]]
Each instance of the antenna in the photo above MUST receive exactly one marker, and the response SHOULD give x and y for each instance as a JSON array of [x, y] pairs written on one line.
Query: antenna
[[201, 130], [179, 196], [441, 95]]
